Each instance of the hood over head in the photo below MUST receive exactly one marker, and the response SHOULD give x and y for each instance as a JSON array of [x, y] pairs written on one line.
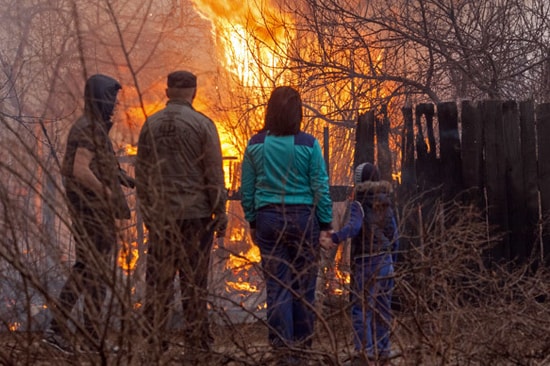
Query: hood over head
[[100, 94], [366, 172]]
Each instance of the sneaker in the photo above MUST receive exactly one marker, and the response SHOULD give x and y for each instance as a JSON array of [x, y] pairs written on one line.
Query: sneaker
[[113, 348], [92, 348], [58, 342], [389, 355]]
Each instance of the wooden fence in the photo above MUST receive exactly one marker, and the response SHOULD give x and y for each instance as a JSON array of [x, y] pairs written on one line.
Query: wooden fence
[[494, 154]]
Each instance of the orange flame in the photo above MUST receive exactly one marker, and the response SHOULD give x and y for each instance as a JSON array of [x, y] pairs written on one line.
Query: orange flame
[[244, 260], [247, 33], [240, 286], [128, 256], [14, 326], [130, 149], [339, 279], [138, 113], [252, 40]]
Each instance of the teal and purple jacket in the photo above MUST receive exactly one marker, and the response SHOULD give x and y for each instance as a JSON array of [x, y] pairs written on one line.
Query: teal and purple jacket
[[287, 170]]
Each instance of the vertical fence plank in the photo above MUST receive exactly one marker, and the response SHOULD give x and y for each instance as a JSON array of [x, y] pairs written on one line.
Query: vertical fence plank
[[494, 165], [497, 161], [543, 133], [427, 110], [472, 153], [364, 139], [514, 180], [529, 165], [427, 165], [383, 144], [408, 175], [407, 188], [449, 147]]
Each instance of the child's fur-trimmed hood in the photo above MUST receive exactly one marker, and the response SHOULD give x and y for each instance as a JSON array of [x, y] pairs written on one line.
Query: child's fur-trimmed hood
[[381, 186]]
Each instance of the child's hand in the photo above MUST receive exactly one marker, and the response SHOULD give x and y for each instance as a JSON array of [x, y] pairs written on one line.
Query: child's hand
[[326, 240]]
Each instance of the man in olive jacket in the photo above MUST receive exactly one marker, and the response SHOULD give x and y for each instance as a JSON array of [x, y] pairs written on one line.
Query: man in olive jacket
[[182, 196]]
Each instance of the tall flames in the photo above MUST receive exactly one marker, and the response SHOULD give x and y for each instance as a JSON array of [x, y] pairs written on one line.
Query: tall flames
[[246, 34], [252, 38]]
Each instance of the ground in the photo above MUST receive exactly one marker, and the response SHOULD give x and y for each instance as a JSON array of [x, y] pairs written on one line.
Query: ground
[[235, 345]]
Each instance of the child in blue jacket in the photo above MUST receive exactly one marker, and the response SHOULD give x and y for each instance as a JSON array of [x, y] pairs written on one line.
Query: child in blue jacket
[[374, 242]]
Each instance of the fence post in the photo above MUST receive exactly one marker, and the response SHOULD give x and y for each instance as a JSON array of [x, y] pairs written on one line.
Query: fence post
[[364, 139], [408, 173], [495, 174], [449, 147], [427, 164], [472, 153], [543, 132], [514, 180], [383, 144], [529, 164]]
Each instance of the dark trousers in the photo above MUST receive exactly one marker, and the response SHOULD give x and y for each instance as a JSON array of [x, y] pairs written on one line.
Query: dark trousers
[[183, 247], [372, 285], [95, 237], [288, 238]]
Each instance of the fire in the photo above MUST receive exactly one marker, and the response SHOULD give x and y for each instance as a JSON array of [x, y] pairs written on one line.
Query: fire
[[396, 177], [138, 114], [229, 154], [130, 149], [241, 262], [247, 33], [241, 265], [251, 42], [14, 326], [128, 256], [244, 260], [339, 279], [240, 286], [252, 38]]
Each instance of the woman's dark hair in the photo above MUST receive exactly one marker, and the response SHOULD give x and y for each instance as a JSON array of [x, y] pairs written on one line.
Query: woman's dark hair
[[284, 112]]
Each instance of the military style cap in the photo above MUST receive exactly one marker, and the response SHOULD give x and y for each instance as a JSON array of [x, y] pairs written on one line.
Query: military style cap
[[182, 79]]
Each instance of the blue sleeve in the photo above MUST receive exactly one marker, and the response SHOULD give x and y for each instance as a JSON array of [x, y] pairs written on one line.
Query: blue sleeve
[[352, 227], [248, 187]]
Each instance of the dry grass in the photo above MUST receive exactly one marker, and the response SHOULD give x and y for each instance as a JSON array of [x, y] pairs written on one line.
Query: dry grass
[[452, 308]]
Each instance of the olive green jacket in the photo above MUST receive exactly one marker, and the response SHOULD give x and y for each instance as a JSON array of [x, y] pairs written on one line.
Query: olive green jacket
[[179, 171]]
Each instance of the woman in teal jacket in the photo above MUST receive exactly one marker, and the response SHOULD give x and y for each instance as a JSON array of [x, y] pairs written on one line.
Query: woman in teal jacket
[[285, 198]]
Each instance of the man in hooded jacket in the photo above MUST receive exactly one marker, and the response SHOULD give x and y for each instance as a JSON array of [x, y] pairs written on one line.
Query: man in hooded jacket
[[92, 178]]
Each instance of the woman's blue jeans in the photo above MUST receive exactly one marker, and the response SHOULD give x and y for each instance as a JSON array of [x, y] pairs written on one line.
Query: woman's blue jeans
[[288, 237], [371, 294]]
